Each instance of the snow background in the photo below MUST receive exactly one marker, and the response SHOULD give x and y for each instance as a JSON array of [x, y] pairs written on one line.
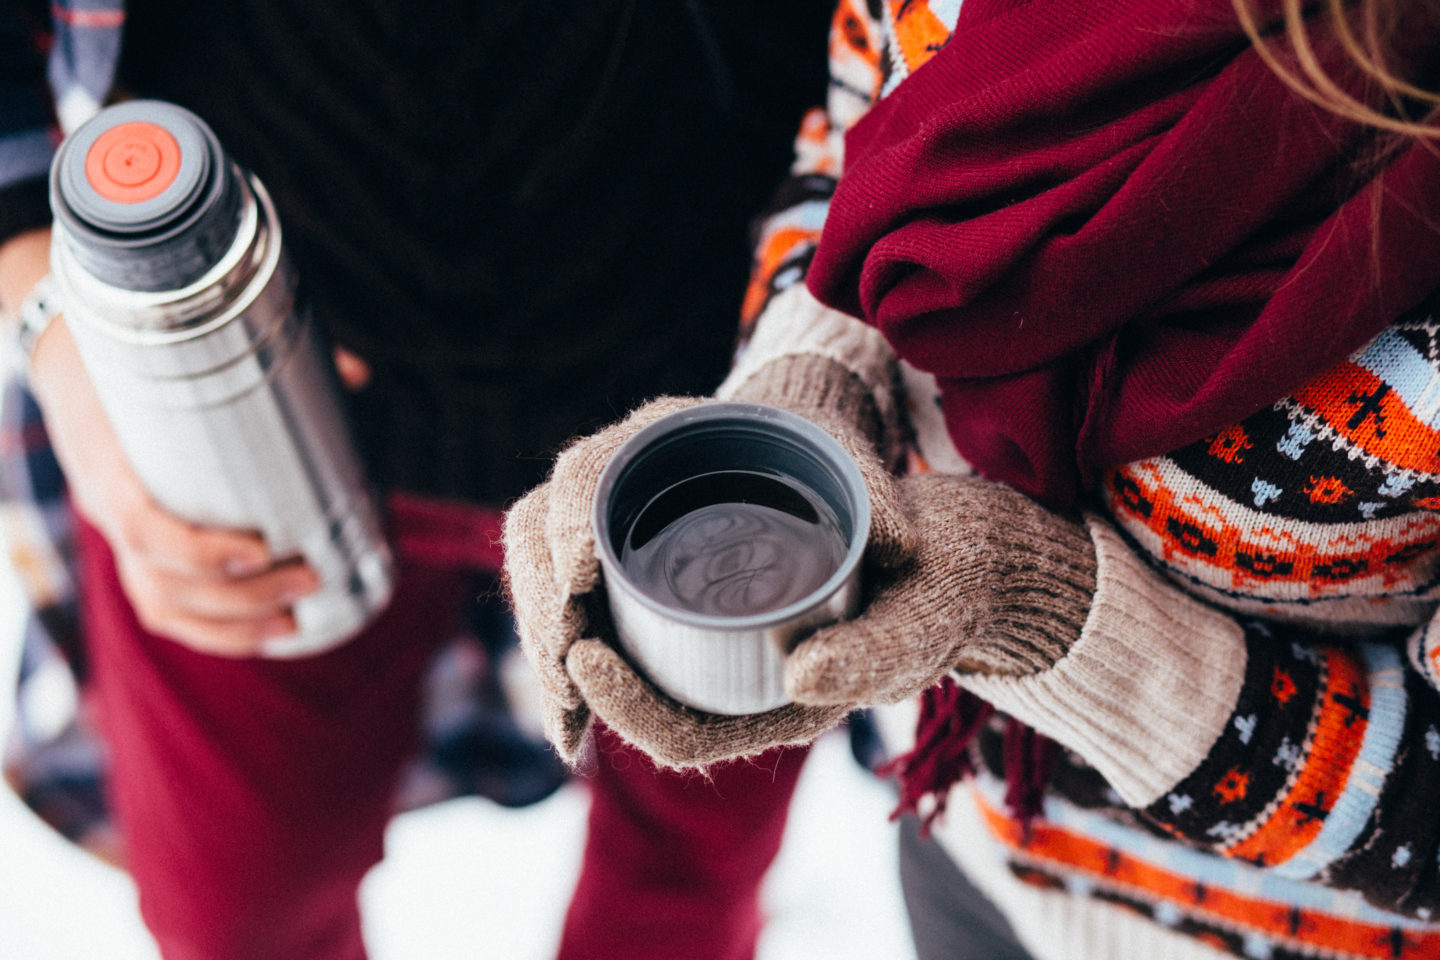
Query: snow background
[[467, 878]]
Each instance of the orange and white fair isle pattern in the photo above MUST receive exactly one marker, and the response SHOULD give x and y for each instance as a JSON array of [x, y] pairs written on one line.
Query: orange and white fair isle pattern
[[1317, 523]]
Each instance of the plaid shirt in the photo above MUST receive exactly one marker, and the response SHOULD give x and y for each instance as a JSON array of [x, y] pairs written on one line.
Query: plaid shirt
[[77, 50], [81, 49]]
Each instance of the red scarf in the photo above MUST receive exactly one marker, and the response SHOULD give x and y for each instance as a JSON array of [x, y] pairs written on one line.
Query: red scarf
[[1109, 229]]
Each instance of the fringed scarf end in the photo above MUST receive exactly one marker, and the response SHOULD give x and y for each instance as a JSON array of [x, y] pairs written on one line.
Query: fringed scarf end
[[950, 718], [1029, 760]]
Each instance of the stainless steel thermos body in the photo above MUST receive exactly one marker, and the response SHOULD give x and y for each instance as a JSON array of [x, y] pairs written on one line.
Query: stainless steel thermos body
[[169, 265]]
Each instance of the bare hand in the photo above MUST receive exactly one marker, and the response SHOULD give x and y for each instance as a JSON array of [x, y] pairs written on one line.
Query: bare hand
[[216, 591]]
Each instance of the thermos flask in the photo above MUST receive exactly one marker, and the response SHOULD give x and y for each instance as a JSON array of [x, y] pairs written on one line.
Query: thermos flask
[[168, 263]]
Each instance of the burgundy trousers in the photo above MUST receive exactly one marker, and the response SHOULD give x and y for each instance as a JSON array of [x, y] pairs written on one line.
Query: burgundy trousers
[[252, 795]]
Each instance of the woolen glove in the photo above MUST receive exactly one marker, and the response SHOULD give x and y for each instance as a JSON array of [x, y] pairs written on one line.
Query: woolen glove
[[551, 569], [998, 585], [553, 576]]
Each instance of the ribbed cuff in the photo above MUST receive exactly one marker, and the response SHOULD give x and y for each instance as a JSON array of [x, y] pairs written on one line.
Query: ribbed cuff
[[24, 206], [1148, 688], [795, 324], [1040, 587]]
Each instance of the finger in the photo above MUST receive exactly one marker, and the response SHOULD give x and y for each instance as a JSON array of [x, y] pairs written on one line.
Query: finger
[[915, 617], [217, 637], [354, 372], [678, 736], [234, 639], [566, 729], [882, 656], [548, 620], [246, 598], [892, 541], [837, 665], [569, 529], [108, 492], [164, 541]]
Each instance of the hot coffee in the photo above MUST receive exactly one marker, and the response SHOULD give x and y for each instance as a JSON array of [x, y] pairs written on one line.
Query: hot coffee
[[733, 543]]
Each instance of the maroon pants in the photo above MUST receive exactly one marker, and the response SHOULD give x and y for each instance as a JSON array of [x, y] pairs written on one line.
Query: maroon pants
[[673, 863], [252, 794]]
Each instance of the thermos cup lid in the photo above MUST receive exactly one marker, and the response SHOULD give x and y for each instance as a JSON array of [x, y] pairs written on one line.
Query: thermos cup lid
[[146, 196], [133, 162]]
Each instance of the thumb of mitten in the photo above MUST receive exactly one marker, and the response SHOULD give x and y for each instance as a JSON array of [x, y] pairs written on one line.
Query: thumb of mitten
[[997, 585]]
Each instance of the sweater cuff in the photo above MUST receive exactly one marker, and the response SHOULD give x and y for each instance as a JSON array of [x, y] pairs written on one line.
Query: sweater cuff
[[1148, 688], [795, 324]]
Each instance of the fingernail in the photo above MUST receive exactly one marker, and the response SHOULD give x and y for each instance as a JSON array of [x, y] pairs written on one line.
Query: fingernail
[[299, 586], [244, 566], [276, 628]]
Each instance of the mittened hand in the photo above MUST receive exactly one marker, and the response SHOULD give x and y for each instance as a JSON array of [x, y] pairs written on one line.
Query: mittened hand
[[998, 585], [553, 575], [551, 567]]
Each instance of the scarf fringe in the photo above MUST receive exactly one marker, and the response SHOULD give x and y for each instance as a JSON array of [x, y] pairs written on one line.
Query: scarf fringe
[[950, 719]]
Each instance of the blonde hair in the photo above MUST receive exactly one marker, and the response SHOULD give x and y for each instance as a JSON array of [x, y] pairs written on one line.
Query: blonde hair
[[1301, 70]]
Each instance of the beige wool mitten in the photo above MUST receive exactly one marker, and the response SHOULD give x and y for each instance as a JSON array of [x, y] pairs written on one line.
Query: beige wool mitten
[[960, 573], [808, 360], [553, 576], [551, 569], [998, 586]]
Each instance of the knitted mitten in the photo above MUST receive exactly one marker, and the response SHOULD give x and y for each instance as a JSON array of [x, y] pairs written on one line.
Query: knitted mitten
[[550, 567], [552, 572], [998, 585], [803, 357]]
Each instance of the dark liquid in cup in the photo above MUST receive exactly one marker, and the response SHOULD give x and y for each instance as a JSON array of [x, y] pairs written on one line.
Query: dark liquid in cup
[[733, 543]]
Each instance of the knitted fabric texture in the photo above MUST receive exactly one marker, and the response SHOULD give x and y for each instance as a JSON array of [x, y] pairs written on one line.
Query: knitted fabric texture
[[1320, 509], [460, 190], [551, 567], [1146, 689], [795, 324], [554, 578], [998, 585], [677, 736], [836, 399], [1093, 220], [1228, 783]]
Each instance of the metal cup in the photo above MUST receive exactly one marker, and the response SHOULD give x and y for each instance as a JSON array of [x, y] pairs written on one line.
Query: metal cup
[[725, 664]]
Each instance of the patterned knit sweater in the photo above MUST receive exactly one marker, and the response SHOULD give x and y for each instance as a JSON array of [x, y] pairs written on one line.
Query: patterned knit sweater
[[1250, 715]]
